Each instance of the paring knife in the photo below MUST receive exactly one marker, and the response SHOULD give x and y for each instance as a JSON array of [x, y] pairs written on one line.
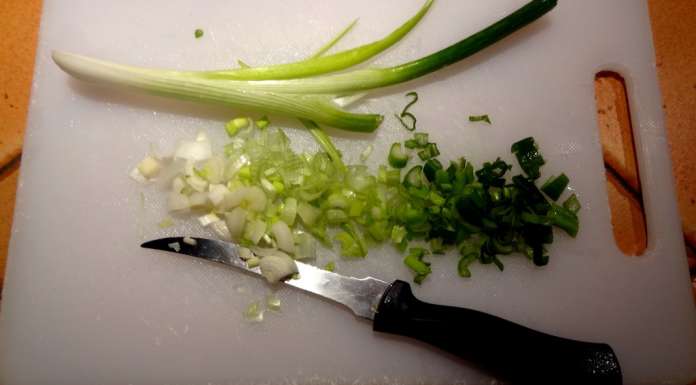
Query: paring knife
[[508, 350]]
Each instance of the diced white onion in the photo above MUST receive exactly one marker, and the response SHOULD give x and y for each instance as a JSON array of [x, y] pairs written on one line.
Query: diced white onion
[[233, 198], [245, 254], [266, 251], [289, 211], [149, 167], [236, 219], [175, 246], [306, 246], [198, 199], [207, 219], [308, 213], [190, 241], [276, 268], [177, 201], [366, 152], [137, 176], [197, 150], [197, 183], [283, 236], [254, 230], [216, 193], [178, 184], [255, 198], [220, 229]]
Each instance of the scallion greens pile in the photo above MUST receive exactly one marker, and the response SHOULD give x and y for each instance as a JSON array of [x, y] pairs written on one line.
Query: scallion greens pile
[[263, 195]]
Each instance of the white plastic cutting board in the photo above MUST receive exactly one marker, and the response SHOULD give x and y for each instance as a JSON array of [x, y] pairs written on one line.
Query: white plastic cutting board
[[83, 304]]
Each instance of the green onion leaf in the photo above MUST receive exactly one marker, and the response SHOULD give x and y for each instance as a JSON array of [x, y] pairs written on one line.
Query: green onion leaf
[[294, 89], [414, 261], [572, 204], [528, 156], [405, 113], [335, 40], [263, 122], [421, 139], [555, 186], [330, 266], [480, 118], [397, 157], [198, 33], [565, 219]]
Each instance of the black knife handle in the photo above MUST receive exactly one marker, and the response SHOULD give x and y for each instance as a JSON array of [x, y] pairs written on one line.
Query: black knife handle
[[508, 350]]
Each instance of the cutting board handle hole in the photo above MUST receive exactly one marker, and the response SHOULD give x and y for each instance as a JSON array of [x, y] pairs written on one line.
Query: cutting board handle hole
[[622, 174]]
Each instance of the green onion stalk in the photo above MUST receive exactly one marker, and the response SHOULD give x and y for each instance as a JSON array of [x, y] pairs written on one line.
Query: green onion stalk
[[305, 89]]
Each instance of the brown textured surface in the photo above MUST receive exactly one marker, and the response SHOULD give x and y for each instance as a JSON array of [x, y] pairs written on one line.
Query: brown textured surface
[[627, 217], [623, 185], [614, 123], [19, 30], [20, 21], [8, 183], [674, 29]]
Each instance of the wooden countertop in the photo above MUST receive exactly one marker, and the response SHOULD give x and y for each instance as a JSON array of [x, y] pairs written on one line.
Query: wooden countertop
[[674, 33]]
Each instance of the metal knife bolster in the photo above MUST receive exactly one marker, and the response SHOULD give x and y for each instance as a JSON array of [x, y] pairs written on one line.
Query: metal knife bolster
[[362, 295]]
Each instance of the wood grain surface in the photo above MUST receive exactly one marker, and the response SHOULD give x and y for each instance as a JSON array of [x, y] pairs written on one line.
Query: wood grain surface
[[19, 31]]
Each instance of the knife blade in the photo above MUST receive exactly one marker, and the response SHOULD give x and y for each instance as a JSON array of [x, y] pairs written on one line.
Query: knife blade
[[506, 349], [359, 295]]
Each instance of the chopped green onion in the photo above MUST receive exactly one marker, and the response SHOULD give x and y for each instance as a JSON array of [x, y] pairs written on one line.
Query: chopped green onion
[[324, 141], [273, 302], [430, 169], [366, 152], [414, 261], [289, 211], [406, 114], [254, 230], [254, 312], [415, 178], [463, 265], [198, 33], [397, 157], [330, 266], [565, 219], [350, 246], [555, 186], [480, 118], [308, 213], [176, 246], [398, 234], [276, 268], [149, 167], [572, 204], [528, 156], [421, 139], [263, 122], [233, 126], [336, 216], [166, 222], [437, 246], [478, 211], [253, 262], [430, 151]]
